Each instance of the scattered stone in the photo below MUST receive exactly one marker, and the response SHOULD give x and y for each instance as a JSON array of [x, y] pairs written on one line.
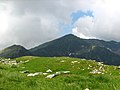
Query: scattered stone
[[95, 71], [44, 73], [37, 73], [33, 74], [21, 62], [26, 61], [8, 62], [58, 73], [8, 58], [100, 63], [90, 66], [49, 71], [26, 71], [101, 68], [73, 62], [83, 69], [87, 89], [51, 76], [13, 62], [118, 67], [83, 59], [103, 73], [65, 72]]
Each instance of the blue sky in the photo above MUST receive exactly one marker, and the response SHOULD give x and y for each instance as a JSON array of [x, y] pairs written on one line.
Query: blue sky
[[66, 28], [76, 15]]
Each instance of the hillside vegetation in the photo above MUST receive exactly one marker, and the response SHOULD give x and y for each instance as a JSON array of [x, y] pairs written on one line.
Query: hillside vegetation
[[57, 73]]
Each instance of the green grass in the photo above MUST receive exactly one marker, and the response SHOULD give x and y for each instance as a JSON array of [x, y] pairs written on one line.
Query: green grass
[[79, 77]]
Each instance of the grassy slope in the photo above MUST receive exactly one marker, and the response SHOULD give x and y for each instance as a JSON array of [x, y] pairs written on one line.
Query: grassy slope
[[78, 79]]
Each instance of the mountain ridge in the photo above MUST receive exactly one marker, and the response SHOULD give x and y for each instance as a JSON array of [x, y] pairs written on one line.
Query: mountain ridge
[[72, 46]]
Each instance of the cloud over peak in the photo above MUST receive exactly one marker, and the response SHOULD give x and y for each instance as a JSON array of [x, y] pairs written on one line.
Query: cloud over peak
[[32, 22]]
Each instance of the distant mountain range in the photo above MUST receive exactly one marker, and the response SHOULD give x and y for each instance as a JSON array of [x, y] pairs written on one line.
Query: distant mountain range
[[72, 46]]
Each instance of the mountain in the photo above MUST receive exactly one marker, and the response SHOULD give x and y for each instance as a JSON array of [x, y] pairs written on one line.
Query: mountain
[[63, 46], [102, 54], [111, 45], [73, 46], [14, 51]]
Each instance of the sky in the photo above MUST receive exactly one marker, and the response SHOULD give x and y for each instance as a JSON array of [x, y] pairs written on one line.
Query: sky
[[32, 22]]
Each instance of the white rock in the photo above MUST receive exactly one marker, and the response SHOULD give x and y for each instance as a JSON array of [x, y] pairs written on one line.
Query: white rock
[[44, 73], [8, 58], [83, 69], [51, 76], [100, 68], [31, 75], [83, 59], [78, 62], [37, 73], [100, 63], [103, 73], [103, 70], [99, 72], [49, 71], [65, 72], [87, 89], [118, 67], [74, 62], [90, 66], [24, 71], [95, 71], [58, 73], [26, 61]]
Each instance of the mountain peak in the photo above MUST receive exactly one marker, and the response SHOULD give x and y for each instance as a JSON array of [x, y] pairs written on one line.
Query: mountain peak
[[70, 35], [73, 46], [14, 51], [15, 45]]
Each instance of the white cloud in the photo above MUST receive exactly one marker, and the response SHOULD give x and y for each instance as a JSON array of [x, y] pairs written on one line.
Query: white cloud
[[81, 35], [32, 22], [28, 25], [105, 24]]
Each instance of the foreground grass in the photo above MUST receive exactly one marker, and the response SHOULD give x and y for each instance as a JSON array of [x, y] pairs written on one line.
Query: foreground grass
[[79, 77]]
